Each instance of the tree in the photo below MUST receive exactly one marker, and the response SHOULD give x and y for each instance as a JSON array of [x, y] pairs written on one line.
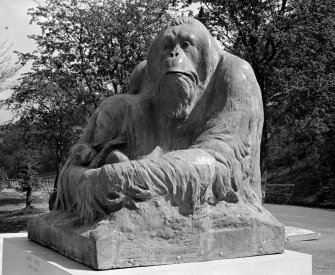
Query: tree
[[47, 116], [10, 149], [20, 160], [16, 145], [28, 177], [7, 70], [253, 30], [96, 44], [303, 105], [86, 52], [3, 178], [289, 44]]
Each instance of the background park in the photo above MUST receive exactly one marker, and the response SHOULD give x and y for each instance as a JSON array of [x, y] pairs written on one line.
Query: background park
[[79, 52]]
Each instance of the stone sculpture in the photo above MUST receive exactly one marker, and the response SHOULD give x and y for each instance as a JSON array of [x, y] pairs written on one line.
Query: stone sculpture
[[170, 172]]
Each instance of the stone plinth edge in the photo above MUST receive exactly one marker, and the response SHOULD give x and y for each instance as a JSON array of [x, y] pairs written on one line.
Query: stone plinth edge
[[159, 235], [22, 256]]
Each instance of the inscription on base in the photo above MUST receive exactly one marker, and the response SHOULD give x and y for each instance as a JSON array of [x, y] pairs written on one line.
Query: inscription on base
[[150, 252], [33, 263]]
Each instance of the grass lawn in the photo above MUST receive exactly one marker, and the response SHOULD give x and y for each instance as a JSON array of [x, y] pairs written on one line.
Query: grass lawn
[[13, 215]]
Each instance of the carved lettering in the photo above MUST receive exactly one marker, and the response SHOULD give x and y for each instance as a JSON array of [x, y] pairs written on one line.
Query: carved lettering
[[149, 252], [33, 263]]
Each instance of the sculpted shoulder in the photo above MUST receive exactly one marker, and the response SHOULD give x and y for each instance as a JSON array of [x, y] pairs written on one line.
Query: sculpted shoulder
[[234, 64]]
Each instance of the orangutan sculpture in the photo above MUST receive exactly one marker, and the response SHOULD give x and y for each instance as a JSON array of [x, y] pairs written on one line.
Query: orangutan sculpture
[[177, 158]]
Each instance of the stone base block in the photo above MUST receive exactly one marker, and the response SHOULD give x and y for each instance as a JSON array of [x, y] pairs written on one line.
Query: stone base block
[[8, 235], [21, 256], [157, 234], [295, 234]]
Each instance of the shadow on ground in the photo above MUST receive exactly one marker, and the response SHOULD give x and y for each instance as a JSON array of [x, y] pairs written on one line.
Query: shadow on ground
[[13, 214], [16, 220]]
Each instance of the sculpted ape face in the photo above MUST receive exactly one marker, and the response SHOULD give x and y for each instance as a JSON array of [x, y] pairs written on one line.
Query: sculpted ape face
[[181, 61]]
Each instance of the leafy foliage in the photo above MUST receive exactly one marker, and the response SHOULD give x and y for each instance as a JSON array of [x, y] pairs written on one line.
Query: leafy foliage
[[15, 148], [258, 31], [48, 115], [304, 81], [96, 44], [290, 45], [86, 52], [7, 70]]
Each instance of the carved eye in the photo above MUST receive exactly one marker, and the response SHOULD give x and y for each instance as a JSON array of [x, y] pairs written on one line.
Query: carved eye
[[185, 44]]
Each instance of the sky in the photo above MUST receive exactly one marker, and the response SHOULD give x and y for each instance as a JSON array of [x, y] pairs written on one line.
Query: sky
[[14, 27]]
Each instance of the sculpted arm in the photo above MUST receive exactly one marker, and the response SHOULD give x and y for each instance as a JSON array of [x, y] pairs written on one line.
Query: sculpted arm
[[177, 175], [186, 177]]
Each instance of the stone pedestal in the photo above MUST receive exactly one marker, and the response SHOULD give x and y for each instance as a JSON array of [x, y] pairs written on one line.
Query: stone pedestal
[[295, 234], [8, 235], [21, 256], [157, 234]]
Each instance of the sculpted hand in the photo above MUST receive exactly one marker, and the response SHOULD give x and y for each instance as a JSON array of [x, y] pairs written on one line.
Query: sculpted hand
[[109, 154], [102, 191]]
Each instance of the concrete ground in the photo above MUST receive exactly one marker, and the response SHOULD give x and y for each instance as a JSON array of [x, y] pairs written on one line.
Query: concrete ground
[[315, 219]]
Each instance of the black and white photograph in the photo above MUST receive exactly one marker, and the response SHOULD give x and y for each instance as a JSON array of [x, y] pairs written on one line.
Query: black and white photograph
[[170, 137]]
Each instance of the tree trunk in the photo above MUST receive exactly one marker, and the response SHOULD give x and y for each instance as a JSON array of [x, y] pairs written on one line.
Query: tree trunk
[[58, 169], [28, 197], [264, 159], [52, 196], [261, 77]]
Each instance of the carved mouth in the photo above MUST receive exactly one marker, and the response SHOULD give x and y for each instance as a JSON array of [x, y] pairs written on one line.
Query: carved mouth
[[191, 75]]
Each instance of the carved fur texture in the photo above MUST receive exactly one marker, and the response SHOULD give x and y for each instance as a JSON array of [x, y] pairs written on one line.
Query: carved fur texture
[[190, 132]]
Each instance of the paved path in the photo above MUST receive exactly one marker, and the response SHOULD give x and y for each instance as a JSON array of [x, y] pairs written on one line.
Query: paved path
[[8, 235], [315, 219]]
